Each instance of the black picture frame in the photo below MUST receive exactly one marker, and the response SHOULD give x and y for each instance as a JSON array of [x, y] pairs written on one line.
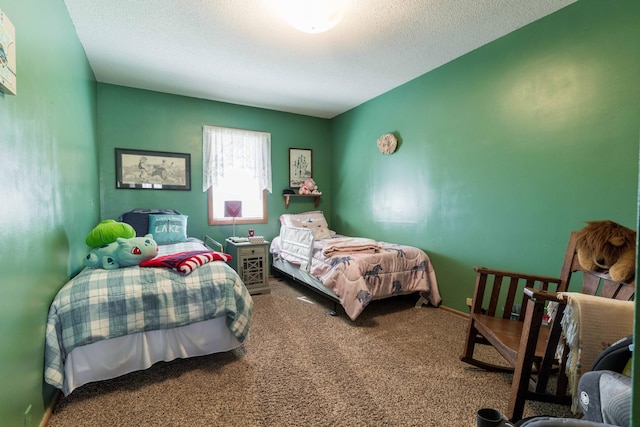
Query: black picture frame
[[300, 166], [152, 170]]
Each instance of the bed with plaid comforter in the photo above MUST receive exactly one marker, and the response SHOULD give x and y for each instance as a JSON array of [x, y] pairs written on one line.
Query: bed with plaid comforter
[[100, 304]]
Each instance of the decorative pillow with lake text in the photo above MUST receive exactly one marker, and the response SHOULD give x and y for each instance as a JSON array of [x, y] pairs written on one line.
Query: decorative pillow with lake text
[[168, 228]]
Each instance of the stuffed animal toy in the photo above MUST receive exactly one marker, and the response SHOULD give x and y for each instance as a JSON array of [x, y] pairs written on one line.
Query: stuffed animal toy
[[309, 187], [107, 232], [606, 245], [122, 253]]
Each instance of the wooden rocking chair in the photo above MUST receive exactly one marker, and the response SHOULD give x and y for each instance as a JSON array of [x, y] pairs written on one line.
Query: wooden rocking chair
[[526, 342]]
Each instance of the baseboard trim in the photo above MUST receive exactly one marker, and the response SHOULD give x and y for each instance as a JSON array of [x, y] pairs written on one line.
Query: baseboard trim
[[49, 412], [454, 311]]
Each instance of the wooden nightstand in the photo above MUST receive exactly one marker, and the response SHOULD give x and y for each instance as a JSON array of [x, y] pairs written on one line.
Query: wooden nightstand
[[251, 261]]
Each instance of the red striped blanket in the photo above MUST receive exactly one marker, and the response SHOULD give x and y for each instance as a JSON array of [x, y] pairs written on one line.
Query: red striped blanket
[[186, 262]]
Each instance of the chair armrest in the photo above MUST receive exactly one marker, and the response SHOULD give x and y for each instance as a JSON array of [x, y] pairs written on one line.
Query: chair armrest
[[542, 295], [211, 242]]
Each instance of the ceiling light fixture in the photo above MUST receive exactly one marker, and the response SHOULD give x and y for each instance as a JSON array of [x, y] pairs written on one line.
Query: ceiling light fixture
[[312, 16]]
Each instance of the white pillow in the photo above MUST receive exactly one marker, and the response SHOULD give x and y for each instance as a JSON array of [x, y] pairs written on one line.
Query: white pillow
[[313, 220]]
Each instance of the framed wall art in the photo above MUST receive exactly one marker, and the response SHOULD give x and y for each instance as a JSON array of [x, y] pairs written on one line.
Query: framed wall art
[[152, 170], [300, 166], [7, 55]]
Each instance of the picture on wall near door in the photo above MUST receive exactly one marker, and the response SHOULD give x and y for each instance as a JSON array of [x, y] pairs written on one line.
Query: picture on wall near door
[[7, 56], [152, 170], [300, 166]]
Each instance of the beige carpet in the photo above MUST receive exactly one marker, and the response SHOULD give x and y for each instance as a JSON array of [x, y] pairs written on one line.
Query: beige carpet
[[395, 366]]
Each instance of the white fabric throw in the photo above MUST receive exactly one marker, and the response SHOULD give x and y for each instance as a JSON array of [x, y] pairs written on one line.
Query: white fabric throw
[[591, 324]]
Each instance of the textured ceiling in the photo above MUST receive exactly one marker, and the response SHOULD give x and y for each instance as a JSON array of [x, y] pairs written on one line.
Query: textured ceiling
[[243, 52]]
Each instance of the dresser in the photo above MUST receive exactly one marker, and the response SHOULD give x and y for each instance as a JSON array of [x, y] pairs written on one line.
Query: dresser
[[251, 261]]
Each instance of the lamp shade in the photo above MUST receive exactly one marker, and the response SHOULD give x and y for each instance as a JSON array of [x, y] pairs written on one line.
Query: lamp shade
[[233, 208]]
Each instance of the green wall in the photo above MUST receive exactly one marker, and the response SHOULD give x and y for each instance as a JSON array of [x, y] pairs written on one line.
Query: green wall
[[144, 120], [503, 151], [50, 191]]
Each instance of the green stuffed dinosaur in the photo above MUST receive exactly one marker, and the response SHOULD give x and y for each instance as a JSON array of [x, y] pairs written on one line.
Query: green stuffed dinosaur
[[122, 253]]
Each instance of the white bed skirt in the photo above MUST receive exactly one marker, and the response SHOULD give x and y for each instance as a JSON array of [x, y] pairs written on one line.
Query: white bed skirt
[[118, 356]]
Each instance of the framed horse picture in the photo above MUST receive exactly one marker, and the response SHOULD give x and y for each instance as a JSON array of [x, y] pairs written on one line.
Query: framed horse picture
[[152, 170]]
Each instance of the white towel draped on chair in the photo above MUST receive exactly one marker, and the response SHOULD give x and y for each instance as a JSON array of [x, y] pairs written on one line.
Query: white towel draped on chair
[[591, 324]]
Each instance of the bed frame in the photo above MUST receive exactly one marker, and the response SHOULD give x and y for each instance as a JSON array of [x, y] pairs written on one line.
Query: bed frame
[[291, 272]]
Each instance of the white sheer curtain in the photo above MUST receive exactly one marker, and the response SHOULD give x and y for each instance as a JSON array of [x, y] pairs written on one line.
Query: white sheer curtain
[[226, 148]]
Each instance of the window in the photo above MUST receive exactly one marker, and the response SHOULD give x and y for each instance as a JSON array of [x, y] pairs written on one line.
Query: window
[[236, 166]]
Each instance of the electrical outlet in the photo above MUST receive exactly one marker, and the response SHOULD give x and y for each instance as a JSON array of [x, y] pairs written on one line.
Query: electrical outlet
[[469, 302], [27, 417]]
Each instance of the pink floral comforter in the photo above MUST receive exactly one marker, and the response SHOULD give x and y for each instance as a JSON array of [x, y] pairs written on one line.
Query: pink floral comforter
[[360, 276]]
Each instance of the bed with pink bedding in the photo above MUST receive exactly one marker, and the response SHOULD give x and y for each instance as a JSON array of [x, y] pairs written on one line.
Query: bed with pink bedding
[[352, 271]]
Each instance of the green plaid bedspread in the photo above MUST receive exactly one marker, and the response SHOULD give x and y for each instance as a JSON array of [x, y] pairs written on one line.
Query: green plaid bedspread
[[100, 304]]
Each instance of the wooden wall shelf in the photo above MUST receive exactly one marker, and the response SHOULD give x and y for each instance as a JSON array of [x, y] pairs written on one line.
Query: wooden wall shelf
[[287, 199]]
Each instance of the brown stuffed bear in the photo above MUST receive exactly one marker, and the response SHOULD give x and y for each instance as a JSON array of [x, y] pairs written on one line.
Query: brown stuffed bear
[[606, 245]]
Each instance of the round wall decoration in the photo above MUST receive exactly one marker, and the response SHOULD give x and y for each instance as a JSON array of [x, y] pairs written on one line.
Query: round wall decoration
[[387, 143]]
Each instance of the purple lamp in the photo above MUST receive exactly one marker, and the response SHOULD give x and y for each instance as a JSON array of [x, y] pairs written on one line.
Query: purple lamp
[[233, 209]]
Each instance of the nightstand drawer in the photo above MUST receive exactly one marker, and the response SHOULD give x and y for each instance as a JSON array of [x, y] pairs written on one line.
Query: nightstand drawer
[[252, 251]]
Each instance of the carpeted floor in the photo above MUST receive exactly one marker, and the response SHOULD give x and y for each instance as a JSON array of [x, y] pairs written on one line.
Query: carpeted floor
[[395, 366]]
